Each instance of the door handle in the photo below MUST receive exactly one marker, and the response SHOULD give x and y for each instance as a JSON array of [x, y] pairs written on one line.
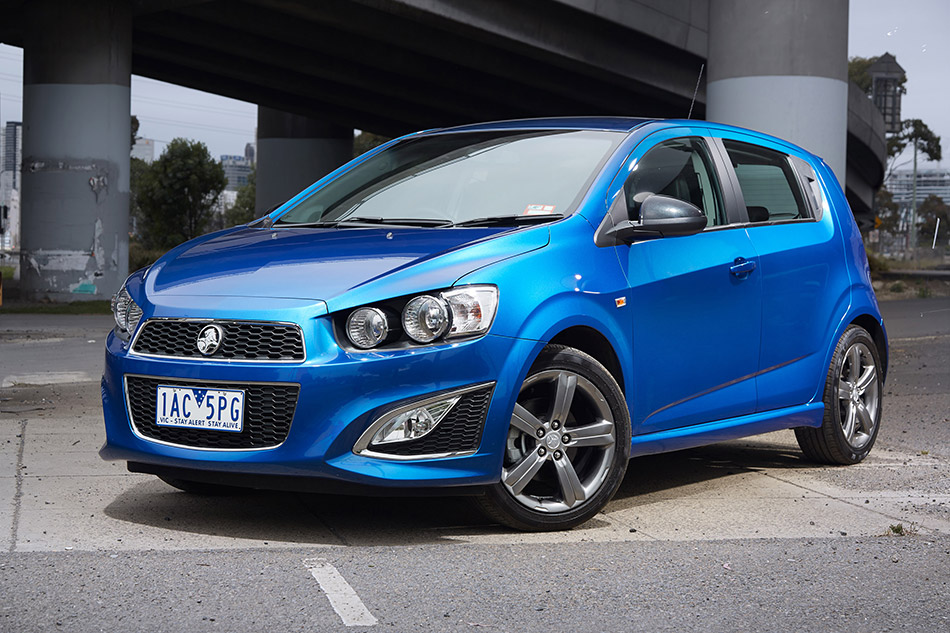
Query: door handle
[[742, 267]]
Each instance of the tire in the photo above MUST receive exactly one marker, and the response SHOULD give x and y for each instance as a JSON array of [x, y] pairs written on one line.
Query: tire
[[201, 488], [853, 390], [567, 445]]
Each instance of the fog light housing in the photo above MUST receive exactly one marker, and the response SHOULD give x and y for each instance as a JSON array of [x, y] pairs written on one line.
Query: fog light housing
[[414, 423]]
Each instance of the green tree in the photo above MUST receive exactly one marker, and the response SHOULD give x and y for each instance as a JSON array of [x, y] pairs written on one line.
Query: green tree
[[919, 137], [929, 211], [887, 212], [244, 209], [858, 72], [137, 171], [135, 130], [177, 194]]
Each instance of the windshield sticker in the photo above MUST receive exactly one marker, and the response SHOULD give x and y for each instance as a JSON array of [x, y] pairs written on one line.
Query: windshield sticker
[[538, 209]]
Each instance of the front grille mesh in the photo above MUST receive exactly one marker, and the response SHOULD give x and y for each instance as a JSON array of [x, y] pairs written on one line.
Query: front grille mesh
[[460, 431], [243, 340], [268, 411]]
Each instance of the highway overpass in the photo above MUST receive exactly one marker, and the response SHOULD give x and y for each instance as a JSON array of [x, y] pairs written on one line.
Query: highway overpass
[[320, 69]]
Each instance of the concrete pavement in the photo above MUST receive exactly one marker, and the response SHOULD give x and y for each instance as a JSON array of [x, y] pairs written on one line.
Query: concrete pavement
[[808, 539], [52, 348]]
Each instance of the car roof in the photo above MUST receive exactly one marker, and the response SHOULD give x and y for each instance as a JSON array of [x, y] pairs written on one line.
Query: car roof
[[615, 124], [608, 123]]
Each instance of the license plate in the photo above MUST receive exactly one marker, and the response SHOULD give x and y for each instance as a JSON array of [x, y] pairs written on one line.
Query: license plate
[[199, 408]]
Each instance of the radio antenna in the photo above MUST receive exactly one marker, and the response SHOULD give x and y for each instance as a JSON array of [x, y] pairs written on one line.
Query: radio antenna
[[695, 90]]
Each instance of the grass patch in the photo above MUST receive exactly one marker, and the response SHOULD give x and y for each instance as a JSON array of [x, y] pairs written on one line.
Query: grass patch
[[878, 263], [898, 286], [899, 529], [7, 272], [75, 307]]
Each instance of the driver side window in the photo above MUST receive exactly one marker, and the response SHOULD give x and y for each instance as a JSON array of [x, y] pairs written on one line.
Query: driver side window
[[679, 168]]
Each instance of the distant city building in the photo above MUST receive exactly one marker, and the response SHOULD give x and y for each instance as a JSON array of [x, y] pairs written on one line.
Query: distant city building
[[227, 199], [10, 223], [12, 152], [144, 149], [11, 142], [929, 182], [250, 153], [236, 170], [886, 76]]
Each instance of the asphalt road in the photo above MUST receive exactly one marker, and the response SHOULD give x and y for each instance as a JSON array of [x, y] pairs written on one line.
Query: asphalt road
[[740, 536]]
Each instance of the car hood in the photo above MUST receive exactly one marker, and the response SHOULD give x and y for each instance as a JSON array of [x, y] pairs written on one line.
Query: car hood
[[324, 263]]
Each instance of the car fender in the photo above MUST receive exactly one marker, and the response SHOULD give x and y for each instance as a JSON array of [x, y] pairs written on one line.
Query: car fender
[[582, 291]]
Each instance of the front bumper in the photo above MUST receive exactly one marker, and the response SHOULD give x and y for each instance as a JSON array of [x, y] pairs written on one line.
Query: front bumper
[[341, 394]]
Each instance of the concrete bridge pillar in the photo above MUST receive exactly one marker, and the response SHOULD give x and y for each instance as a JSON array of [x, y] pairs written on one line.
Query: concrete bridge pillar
[[295, 151], [76, 142], [781, 67]]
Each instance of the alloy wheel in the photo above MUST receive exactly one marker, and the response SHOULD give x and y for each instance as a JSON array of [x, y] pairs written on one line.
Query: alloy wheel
[[560, 444]]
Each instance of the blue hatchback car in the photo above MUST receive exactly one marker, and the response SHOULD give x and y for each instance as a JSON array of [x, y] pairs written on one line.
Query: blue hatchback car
[[510, 310]]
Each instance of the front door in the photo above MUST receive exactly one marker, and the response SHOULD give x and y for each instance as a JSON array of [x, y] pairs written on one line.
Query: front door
[[695, 300]]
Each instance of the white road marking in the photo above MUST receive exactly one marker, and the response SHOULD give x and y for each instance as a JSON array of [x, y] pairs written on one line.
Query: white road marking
[[47, 378], [341, 595]]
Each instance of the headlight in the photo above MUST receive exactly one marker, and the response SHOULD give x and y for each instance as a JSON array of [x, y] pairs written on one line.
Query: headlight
[[425, 319], [464, 311], [126, 312], [367, 327], [473, 309]]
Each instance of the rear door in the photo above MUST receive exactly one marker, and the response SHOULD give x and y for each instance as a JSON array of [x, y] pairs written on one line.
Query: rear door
[[800, 264]]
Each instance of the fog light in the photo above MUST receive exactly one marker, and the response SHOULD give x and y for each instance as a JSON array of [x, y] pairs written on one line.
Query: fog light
[[367, 327], [414, 423]]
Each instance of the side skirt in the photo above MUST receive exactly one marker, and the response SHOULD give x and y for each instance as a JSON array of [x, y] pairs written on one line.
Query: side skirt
[[723, 430]]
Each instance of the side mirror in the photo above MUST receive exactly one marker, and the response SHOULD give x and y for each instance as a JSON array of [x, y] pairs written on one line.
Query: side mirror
[[661, 216]]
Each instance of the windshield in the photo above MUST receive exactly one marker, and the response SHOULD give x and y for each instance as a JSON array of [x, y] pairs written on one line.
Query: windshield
[[446, 179]]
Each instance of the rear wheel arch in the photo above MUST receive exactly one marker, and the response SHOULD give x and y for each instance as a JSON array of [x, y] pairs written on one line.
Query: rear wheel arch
[[873, 327]]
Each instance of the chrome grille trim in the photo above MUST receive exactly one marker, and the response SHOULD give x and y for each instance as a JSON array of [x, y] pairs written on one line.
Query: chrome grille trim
[[218, 356]]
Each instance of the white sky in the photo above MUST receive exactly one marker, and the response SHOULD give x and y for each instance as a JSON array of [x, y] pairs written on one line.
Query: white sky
[[165, 111], [914, 31]]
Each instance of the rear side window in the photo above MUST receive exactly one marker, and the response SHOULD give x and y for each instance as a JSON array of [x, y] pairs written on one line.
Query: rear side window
[[680, 168], [809, 180], [769, 186]]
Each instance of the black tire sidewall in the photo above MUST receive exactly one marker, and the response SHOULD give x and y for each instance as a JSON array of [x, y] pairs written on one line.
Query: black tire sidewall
[[831, 427]]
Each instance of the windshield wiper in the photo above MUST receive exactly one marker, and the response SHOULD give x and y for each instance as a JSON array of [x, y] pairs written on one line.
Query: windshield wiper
[[297, 225], [395, 221], [367, 220], [508, 220]]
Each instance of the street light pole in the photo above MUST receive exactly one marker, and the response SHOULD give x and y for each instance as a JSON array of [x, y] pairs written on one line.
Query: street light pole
[[913, 210]]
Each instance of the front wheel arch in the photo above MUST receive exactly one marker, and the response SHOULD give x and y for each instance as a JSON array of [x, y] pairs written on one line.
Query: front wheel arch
[[595, 344]]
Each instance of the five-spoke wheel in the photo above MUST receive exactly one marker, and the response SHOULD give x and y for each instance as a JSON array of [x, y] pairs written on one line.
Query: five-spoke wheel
[[852, 403], [567, 445]]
